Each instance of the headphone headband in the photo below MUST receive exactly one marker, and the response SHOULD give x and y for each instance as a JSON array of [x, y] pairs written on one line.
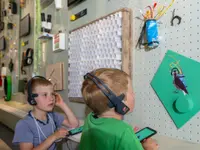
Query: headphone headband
[[29, 50], [101, 86], [114, 101]]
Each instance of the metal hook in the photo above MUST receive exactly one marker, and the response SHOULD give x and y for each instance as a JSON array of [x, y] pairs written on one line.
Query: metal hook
[[175, 17]]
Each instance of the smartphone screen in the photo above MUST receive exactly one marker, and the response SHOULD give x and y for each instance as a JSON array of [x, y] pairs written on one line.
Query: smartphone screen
[[76, 130], [145, 133]]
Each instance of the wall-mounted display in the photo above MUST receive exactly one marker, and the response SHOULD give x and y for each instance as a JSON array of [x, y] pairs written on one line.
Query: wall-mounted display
[[25, 26], [55, 74], [102, 43]]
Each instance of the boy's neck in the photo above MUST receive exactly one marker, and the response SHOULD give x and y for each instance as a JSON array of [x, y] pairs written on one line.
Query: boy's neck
[[39, 114], [111, 114]]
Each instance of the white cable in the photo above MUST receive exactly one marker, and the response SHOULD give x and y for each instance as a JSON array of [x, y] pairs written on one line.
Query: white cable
[[39, 128], [52, 122]]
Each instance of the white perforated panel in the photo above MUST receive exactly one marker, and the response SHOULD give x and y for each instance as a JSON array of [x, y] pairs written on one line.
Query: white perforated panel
[[184, 39], [97, 45]]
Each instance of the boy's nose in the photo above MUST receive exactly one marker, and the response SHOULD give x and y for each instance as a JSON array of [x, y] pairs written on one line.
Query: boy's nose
[[51, 98]]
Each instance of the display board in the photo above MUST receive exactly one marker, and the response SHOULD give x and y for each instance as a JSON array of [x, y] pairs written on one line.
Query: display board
[[183, 39], [102, 43]]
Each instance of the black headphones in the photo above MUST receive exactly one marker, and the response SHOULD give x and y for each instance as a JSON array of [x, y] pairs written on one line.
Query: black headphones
[[114, 101], [31, 96], [13, 7], [28, 59]]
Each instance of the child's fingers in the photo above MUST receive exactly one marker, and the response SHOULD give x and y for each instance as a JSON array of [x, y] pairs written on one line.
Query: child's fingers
[[56, 94], [143, 141], [65, 134], [64, 131]]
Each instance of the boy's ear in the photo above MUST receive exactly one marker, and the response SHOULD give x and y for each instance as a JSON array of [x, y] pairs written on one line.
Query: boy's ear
[[125, 98]]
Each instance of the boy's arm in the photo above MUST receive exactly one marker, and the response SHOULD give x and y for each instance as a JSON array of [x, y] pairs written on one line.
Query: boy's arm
[[71, 120], [61, 133], [43, 146]]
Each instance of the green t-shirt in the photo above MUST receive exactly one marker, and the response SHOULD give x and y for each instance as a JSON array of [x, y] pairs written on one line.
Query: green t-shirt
[[108, 134]]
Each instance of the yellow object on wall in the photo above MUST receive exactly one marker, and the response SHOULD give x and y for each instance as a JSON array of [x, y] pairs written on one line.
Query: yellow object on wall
[[73, 17]]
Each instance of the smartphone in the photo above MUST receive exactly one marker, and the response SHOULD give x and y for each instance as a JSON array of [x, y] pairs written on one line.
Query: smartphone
[[76, 130], [145, 133]]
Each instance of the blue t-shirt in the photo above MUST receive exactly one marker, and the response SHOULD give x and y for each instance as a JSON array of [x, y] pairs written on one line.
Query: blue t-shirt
[[26, 130]]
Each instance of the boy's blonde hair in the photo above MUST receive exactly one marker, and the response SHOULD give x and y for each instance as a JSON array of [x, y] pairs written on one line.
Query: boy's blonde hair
[[115, 79], [38, 82]]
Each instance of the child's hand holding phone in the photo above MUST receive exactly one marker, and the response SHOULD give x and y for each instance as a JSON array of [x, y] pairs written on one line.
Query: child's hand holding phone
[[76, 130], [150, 144], [60, 133], [145, 133], [144, 137]]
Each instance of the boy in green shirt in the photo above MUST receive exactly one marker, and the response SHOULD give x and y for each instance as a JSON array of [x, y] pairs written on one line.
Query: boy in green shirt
[[109, 94]]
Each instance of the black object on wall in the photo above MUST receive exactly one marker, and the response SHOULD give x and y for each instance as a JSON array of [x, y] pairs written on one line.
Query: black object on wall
[[79, 15], [2, 43], [13, 7], [25, 26], [1, 26], [28, 57], [21, 85], [72, 2], [10, 26], [1, 17], [11, 65]]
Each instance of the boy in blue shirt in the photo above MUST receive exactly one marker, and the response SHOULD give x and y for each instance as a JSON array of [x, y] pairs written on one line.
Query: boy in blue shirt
[[40, 129]]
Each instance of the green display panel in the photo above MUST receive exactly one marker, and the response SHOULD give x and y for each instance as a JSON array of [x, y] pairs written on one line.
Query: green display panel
[[177, 84]]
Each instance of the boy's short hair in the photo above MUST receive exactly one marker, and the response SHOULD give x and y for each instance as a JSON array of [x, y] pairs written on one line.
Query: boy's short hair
[[38, 82], [116, 80]]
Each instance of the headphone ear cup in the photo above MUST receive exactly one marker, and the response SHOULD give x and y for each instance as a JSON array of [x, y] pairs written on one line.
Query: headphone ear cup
[[29, 61], [29, 56], [31, 96], [122, 108], [32, 101]]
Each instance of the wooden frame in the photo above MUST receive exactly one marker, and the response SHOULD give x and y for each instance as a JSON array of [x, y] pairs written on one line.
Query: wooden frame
[[55, 73], [126, 43]]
